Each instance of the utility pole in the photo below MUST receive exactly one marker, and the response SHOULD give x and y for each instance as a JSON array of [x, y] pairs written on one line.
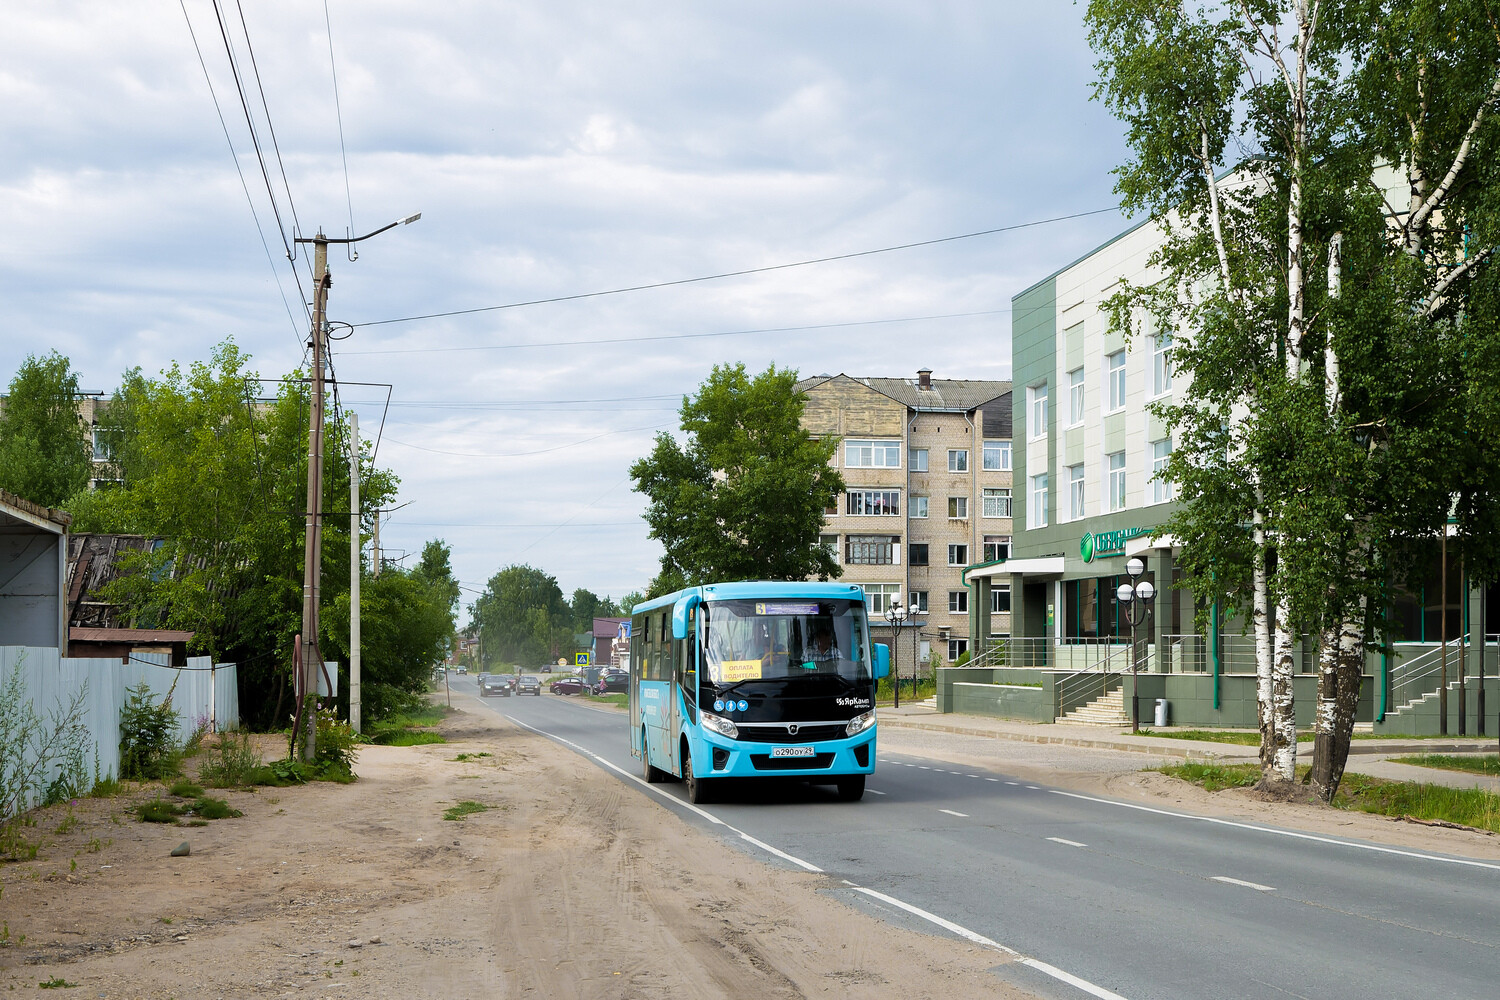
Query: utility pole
[[354, 571], [375, 547], [312, 557]]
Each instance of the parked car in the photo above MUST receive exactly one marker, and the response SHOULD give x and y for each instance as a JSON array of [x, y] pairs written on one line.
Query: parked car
[[612, 680], [529, 685], [494, 684], [546, 668], [569, 685]]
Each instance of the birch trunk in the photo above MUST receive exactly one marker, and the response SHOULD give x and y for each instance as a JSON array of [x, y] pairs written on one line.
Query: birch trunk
[[1341, 664], [1260, 623], [1283, 707]]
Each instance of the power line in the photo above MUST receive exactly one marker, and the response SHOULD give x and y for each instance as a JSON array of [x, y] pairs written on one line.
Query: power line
[[270, 127], [339, 111], [689, 336], [740, 273], [527, 454]]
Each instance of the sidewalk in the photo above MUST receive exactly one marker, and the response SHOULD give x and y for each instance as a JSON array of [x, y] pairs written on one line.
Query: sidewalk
[[1368, 757]]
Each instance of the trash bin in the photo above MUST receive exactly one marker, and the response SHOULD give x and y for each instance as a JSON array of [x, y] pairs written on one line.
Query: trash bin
[[1161, 712]]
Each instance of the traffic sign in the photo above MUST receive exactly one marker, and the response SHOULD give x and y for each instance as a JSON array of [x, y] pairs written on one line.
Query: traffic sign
[[580, 659]]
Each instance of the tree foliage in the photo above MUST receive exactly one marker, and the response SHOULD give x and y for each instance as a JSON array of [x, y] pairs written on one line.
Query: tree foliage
[[45, 454], [1332, 296], [744, 497], [523, 618]]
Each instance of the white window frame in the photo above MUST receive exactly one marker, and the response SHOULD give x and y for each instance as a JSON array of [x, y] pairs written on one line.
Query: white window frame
[[996, 501], [1161, 364], [958, 508], [1036, 409], [1005, 540], [916, 506], [999, 451], [878, 543], [957, 648], [1114, 462], [878, 598], [1161, 486], [958, 602], [917, 604], [1036, 514], [1115, 365], [872, 453], [995, 593], [1075, 397], [872, 503], [1076, 494], [918, 459], [958, 554], [958, 460]]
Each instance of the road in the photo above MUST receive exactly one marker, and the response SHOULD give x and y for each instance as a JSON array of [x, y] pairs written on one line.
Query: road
[[1103, 898]]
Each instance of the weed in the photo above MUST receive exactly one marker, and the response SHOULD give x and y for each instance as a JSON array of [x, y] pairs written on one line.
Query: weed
[[471, 756], [73, 865], [214, 808], [41, 759], [159, 811], [1214, 777], [463, 809], [148, 746], [165, 920], [95, 845], [407, 738], [69, 821], [235, 759], [57, 983], [105, 787], [185, 789]]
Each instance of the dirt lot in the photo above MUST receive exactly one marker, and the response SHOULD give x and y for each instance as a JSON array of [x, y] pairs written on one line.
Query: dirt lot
[[571, 885]]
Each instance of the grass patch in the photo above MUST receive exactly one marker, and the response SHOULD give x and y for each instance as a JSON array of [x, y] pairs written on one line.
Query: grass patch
[[407, 738], [57, 983], [472, 756], [920, 690], [1214, 777], [463, 809], [198, 812], [233, 761], [1251, 737], [1483, 764], [619, 698], [185, 789]]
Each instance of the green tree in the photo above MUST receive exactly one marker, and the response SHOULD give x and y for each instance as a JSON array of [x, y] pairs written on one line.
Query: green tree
[[586, 606], [523, 617], [1326, 330], [744, 498], [45, 454], [221, 478]]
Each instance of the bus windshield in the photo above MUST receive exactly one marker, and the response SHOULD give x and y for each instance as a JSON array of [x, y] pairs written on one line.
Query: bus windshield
[[785, 638]]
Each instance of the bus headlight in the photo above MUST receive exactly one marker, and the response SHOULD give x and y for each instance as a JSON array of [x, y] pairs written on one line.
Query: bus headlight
[[860, 723], [721, 726]]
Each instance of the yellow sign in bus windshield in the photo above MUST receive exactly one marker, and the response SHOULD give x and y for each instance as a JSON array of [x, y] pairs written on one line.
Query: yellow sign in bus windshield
[[733, 671]]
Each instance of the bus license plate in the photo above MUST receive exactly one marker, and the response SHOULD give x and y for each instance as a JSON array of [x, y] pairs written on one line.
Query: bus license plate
[[791, 751]]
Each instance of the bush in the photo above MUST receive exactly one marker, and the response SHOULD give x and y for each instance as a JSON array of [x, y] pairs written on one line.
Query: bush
[[233, 764], [41, 759], [148, 741]]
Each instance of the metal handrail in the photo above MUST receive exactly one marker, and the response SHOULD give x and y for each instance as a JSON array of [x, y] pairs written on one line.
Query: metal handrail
[[1409, 678]]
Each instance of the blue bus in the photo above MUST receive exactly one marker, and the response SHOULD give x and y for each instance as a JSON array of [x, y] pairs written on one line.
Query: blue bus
[[736, 680]]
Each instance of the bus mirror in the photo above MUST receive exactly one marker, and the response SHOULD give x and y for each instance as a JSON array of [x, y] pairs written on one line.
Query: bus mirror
[[882, 660]]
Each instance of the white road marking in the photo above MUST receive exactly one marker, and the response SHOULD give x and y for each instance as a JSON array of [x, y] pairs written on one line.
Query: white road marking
[[1066, 843], [1248, 885], [1012, 783], [1035, 788], [1295, 835], [950, 812], [948, 925], [971, 775], [991, 779]]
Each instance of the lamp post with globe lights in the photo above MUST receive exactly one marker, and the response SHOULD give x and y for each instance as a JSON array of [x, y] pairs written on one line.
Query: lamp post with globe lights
[[1135, 598], [895, 616]]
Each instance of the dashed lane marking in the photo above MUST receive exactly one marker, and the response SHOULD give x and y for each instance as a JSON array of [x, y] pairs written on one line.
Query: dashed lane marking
[[1248, 885], [950, 812], [1066, 843]]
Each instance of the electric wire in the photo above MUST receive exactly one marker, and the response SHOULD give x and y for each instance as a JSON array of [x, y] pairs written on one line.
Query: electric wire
[[527, 454], [339, 112], [740, 273], [275, 272], [270, 126]]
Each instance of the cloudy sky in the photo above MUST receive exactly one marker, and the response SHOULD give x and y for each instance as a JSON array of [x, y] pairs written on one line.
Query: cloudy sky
[[554, 148]]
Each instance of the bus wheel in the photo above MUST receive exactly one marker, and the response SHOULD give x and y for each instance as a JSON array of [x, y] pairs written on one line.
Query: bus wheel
[[697, 788], [852, 788], [651, 774]]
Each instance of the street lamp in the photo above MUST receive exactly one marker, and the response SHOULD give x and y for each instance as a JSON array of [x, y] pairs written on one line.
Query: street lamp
[[1136, 598], [895, 615]]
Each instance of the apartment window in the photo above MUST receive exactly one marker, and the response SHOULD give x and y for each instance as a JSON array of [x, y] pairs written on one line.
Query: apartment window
[[1038, 513], [870, 550], [1116, 381], [916, 506], [919, 459], [958, 460], [1075, 492], [1075, 397], [958, 508], [1038, 410], [878, 597], [958, 555], [997, 456], [1161, 366], [957, 648], [1161, 486], [916, 554], [874, 503], [872, 454], [831, 543], [996, 502], [958, 602], [1117, 480], [996, 547], [1000, 600], [918, 603]]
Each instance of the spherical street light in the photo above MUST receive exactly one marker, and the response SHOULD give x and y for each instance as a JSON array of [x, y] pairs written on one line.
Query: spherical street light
[[895, 616], [1135, 598]]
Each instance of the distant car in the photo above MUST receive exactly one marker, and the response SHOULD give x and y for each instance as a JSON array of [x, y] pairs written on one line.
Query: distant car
[[569, 685], [612, 680], [529, 685], [494, 684], [462, 669], [546, 668]]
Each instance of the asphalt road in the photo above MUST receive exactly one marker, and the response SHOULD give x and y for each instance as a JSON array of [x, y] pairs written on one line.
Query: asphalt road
[[1103, 898]]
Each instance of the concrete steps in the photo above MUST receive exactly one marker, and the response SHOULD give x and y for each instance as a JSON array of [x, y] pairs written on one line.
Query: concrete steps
[[1106, 710]]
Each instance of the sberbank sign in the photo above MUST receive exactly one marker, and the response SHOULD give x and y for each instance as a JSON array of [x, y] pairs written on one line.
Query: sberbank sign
[[1097, 544]]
